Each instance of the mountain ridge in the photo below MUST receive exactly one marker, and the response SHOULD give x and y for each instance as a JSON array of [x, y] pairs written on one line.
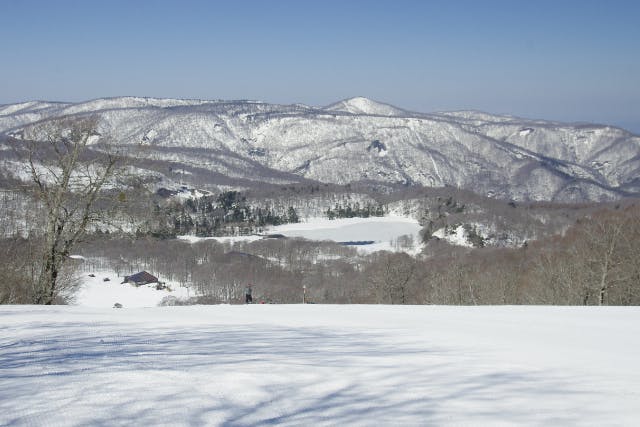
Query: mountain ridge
[[361, 140]]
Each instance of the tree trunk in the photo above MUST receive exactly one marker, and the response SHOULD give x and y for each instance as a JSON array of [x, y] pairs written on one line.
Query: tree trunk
[[603, 286]]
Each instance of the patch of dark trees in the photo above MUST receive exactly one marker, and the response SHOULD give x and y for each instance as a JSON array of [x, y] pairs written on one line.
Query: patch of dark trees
[[229, 213], [233, 213], [355, 211]]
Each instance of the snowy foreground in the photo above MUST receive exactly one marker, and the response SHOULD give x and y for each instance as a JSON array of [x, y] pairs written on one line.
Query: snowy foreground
[[314, 365]]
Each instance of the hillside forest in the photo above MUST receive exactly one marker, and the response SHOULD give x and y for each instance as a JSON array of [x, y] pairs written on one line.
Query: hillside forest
[[538, 253]]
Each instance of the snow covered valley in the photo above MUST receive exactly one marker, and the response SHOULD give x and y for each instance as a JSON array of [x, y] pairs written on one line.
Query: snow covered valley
[[319, 365]]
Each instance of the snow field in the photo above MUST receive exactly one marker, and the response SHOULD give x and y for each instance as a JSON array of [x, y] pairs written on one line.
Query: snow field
[[298, 365], [95, 292]]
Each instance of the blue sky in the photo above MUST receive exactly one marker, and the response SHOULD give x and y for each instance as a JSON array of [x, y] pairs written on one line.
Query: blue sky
[[564, 60]]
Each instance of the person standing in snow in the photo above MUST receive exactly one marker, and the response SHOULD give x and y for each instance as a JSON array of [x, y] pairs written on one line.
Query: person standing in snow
[[247, 294]]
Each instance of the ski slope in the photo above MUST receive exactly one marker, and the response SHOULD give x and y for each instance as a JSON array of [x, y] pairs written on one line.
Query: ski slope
[[316, 365]]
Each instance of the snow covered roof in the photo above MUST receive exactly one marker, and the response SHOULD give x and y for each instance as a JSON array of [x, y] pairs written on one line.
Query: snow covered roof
[[142, 277]]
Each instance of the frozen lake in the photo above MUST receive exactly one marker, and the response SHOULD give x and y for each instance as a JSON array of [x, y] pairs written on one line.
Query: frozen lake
[[381, 230], [384, 232]]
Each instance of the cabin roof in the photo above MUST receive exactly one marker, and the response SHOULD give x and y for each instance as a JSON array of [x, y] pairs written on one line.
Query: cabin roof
[[141, 277]]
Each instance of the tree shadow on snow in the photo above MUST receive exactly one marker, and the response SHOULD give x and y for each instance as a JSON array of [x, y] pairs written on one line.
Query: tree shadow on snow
[[110, 374]]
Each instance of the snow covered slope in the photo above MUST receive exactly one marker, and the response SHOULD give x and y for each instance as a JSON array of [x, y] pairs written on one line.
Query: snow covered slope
[[359, 140], [105, 289], [320, 366], [361, 105]]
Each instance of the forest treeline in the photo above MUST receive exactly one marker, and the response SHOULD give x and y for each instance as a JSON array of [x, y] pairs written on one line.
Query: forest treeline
[[594, 262]]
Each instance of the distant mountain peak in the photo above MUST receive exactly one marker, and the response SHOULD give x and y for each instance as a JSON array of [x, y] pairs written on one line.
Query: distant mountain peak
[[362, 105]]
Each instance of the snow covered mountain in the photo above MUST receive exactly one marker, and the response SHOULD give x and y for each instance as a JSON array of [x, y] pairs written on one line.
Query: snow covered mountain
[[356, 140]]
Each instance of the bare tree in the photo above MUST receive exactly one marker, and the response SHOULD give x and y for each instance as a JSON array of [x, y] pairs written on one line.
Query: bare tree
[[601, 250], [68, 178], [390, 274], [17, 270]]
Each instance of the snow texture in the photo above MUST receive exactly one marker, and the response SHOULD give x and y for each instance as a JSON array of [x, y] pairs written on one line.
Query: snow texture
[[319, 365]]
